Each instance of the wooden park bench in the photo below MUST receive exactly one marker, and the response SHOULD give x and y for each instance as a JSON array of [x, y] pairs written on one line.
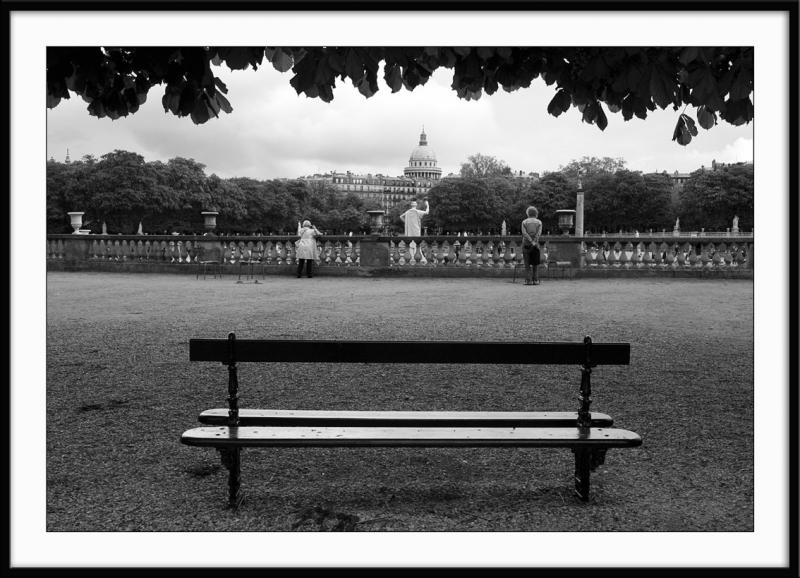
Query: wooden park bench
[[589, 435]]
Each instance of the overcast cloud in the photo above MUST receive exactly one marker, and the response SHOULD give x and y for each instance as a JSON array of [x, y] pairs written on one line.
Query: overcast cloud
[[273, 132]]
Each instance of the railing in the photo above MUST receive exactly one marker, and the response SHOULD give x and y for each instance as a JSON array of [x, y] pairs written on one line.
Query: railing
[[626, 252], [660, 253]]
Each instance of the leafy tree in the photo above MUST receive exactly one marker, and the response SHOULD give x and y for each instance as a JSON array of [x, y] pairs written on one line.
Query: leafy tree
[[661, 206], [717, 81], [465, 204], [624, 201], [588, 167], [120, 187], [711, 198], [62, 181], [482, 166]]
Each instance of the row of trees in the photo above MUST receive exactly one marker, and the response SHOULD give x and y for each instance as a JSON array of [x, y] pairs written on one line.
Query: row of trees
[[614, 198], [122, 190]]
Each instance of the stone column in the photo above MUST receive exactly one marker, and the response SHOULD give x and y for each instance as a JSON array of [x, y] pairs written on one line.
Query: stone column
[[579, 211]]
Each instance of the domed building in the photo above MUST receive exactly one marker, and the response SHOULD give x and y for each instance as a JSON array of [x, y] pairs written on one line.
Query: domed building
[[418, 177], [422, 162]]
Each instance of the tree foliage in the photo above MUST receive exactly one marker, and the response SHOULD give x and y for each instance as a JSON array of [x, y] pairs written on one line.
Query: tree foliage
[[716, 81], [627, 200], [482, 166], [121, 190], [711, 198], [588, 167]]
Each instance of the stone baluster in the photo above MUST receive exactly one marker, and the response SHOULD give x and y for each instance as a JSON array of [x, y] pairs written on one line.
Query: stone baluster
[[443, 253], [464, 254], [291, 253], [449, 253], [487, 259], [508, 255], [637, 255], [661, 258], [627, 256], [497, 255], [591, 255], [469, 253], [615, 255], [338, 250], [430, 253], [269, 253], [739, 256], [672, 256], [716, 259], [399, 253], [348, 254], [139, 250], [357, 250], [725, 255], [705, 257]]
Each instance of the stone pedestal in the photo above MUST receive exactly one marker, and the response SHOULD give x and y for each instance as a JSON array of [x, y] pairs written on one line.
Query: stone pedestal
[[374, 253], [76, 250], [570, 251]]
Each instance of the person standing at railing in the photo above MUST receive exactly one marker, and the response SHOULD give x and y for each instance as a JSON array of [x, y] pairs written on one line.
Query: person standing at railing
[[306, 248], [412, 219], [531, 230]]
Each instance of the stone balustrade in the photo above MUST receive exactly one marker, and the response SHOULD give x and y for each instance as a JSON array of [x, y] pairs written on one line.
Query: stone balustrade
[[470, 255]]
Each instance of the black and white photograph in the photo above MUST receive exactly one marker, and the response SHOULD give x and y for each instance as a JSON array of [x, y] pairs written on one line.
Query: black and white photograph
[[403, 287]]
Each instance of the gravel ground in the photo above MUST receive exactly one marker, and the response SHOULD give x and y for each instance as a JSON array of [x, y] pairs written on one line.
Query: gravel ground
[[120, 395]]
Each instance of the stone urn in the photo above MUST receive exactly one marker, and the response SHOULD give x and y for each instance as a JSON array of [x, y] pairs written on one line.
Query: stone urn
[[376, 221], [76, 221], [566, 218], [210, 220]]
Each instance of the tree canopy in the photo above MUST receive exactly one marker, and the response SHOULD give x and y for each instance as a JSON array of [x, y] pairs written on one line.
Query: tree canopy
[[122, 190], [479, 165], [716, 81]]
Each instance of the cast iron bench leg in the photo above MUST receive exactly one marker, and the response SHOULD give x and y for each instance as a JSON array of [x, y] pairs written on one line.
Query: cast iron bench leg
[[232, 459], [583, 460]]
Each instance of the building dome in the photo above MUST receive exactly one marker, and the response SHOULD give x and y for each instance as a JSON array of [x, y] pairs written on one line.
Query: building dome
[[422, 162]]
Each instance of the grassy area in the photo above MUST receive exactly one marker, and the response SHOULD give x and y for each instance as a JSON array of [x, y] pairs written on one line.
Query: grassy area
[[120, 391]]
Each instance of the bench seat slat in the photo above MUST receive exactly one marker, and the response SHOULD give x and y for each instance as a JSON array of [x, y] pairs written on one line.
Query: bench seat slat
[[333, 351], [279, 417], [222, 437]]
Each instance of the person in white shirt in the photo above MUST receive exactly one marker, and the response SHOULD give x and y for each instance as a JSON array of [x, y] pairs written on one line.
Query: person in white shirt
[[306, 248], [412, 219]]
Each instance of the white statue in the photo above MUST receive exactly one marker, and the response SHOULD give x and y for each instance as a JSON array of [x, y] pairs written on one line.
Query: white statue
[[412, 219], [678, 224], [735, 224], [503, 229]]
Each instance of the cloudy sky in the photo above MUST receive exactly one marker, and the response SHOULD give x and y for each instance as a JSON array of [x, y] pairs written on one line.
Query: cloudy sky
[[273, 132]]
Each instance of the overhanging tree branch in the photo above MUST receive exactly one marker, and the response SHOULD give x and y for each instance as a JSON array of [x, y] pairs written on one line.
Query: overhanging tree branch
[[717, 81]]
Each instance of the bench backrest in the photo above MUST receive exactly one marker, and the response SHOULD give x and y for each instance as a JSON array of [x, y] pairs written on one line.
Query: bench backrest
[[230, 351], [234, 350]]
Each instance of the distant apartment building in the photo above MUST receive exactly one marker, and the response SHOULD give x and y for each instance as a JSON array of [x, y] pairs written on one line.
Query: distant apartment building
[[418, 177], [679, 179]]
